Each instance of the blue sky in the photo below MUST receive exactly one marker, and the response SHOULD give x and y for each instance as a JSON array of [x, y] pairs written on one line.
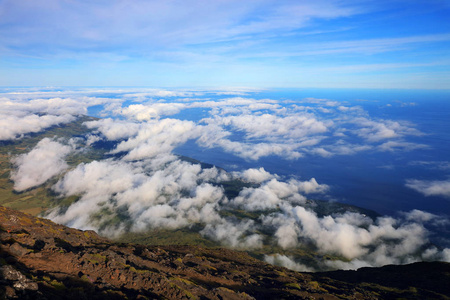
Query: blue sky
[[321, 43]]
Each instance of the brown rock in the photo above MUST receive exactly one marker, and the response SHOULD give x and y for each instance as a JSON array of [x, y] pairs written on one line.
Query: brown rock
[[17, 250], [72, 264]]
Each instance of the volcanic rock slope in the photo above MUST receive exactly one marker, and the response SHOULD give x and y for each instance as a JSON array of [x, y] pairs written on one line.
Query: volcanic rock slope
[[43, 260]]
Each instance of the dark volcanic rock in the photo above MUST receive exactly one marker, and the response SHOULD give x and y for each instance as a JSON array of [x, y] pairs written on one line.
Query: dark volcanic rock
[[430, 280], [43, 260]]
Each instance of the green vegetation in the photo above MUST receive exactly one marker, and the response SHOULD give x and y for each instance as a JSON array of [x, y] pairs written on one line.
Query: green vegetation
[[97, 258], [182, 236], [186, 293], [293, 285], [58, 285], [184, 280]]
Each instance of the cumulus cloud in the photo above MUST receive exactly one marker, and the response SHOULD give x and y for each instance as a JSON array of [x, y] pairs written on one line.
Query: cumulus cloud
[[14, 127], [168, 196], [439, 188], [254, 175], [357, 238], [273, 193], [52, 106], [52, 103], [20, 115], [377, 130], [239, 235], [114, 129], [252, 151], [141, 112], [272, 127], [146, 139], [290, 132], [43, 162], [156, 137]]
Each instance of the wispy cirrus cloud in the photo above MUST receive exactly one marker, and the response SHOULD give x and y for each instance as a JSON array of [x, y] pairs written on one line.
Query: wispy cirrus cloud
[[91, 25], [306, 43]]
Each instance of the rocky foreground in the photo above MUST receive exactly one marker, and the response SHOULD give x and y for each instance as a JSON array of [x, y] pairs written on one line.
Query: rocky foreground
[[43, 260]]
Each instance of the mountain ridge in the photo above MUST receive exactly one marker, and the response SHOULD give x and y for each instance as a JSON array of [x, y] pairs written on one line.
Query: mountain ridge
[[40, 259]]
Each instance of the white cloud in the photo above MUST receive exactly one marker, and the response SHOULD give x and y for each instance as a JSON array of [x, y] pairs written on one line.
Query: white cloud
[[287, 262], [400, 145], [234, 235], [52, 103], [375, 131], [311, 186], [146, 139], [20, 115], [169, 196], [243, 127], [430, 187], [325, 102], [420, 216], [254, 175], [321, 152], [273, 193], [252, 151], [359, 239], [43, 162], [147, 112], [272, 127], [114, 129], [287, 235], [146, 93], [14, 127], [154, 25], [237, 106], [157, 137]]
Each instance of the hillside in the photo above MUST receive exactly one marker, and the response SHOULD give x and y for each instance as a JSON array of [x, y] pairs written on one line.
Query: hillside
[[43, 260]]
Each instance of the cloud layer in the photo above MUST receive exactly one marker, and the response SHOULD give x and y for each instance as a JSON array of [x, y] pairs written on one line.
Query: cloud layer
[[253, 129], [141, 183], [122, 196]]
